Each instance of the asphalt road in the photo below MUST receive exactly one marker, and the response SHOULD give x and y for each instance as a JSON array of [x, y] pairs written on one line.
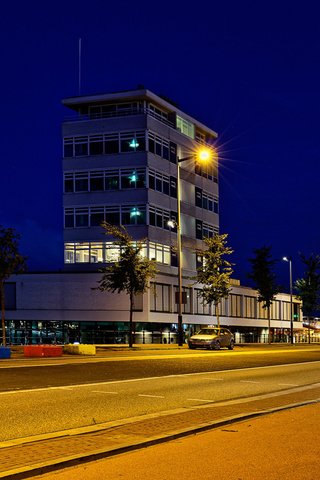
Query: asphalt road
[[43, 399]]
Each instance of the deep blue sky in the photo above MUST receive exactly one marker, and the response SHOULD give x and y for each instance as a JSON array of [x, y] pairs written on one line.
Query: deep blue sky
[[250, 72]]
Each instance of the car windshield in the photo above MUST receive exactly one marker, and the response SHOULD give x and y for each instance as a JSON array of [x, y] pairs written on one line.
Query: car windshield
[[208, 331]]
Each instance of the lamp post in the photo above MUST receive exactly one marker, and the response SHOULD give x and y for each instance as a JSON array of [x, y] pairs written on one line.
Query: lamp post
[[289, 260], [203, 155]]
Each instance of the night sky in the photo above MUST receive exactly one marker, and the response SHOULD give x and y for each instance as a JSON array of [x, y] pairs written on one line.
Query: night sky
[[248, 70]]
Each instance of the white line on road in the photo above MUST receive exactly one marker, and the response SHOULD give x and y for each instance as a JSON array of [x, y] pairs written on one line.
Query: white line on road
[[248, 381], [151, 396], [289, 384], [102, 391], [213, 379], [199, 400]]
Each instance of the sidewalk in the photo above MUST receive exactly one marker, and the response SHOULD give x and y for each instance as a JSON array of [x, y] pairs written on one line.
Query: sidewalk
[[278, 446], [26, 457]]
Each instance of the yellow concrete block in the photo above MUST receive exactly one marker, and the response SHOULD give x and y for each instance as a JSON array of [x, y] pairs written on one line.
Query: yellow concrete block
[[79, 349]]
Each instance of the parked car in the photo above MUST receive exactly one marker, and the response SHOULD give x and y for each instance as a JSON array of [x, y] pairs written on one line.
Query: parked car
[[213, 338]]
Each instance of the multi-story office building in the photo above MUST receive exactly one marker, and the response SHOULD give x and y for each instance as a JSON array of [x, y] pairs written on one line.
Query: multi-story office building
[[120, 165], [120, 160]]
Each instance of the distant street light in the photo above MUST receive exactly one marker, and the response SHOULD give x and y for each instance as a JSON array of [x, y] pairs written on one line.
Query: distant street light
[[203, 155], [289, 260]]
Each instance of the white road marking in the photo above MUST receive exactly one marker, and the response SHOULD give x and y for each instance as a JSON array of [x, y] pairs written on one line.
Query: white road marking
[[289, 384], [199, 400], [213, 379], [150, 396], [248, 381], [102, 391]]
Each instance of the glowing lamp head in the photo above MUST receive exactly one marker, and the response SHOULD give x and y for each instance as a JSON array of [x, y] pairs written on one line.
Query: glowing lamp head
[[171, 223]]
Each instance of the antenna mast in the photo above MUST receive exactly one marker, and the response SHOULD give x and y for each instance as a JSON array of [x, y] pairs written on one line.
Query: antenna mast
[[79, 66]]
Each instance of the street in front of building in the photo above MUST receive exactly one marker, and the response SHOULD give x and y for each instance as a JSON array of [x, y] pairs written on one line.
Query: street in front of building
[[90, 408]]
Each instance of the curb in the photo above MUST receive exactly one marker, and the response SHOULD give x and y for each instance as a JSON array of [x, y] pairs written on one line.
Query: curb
[[69, 461]]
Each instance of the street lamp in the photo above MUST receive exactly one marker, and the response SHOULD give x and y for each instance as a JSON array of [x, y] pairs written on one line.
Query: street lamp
[[289, 260], [202, 155]]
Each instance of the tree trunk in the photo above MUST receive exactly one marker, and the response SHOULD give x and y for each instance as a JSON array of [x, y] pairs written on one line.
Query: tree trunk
[[309, 329], [269, 329], [3, 323], [130, 321], [217, 314]]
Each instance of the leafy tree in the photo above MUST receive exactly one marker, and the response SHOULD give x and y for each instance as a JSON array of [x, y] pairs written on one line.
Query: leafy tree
[[264, 278], [308, 287], [10, 262], [131, 273], [215, 271]]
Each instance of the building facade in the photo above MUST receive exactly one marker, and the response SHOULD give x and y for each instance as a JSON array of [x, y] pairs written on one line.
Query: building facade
[[120, 156]]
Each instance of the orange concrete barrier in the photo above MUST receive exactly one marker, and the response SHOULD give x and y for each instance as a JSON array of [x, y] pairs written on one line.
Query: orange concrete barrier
[[42, 350]]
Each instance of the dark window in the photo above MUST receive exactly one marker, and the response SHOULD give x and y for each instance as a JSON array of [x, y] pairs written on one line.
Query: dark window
[[173, 258], [158, 219], [173, 153], [96, 147], [151, 145], [198, 197], [68, 150], [81, 147], [113, 217], [82, 218], [199, 229], [111, 145], [81, 183], [112, 181], [215, 207], [158, 184], [151, 180], [173, 187], [68, 219], [96, 218], [166, 186], [152, 218], [158, 148], [68, 184], [165, 151], [96, 181]]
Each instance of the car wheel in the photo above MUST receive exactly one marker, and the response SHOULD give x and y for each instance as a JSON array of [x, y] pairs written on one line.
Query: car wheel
[[217, 345], [192, 347], [231, 346]]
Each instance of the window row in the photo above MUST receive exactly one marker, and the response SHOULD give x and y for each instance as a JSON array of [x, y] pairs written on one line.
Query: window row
[[163, 183], [119, 179], [163, 299], [208, 171], [104, 144], [77, 217], [162, 147], [114, 109], [205, 230], [94, 181], [206, 201], [94, 216], [159, 217], [108, 252]]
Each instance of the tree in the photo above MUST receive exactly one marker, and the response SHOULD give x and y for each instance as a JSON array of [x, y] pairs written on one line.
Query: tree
[[131, 273], [264, 278], [10, 262], [215, 271], [308, 287]]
